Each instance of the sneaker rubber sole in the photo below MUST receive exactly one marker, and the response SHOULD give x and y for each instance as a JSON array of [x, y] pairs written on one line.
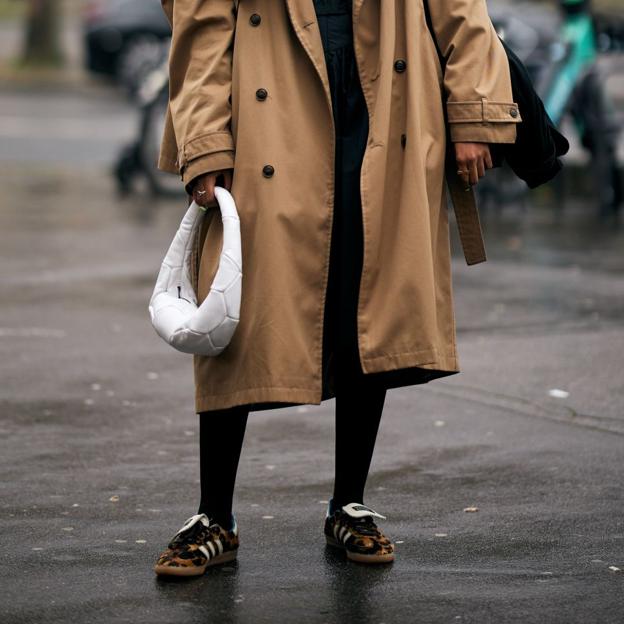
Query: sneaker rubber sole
[[387, 558], [165, 570]]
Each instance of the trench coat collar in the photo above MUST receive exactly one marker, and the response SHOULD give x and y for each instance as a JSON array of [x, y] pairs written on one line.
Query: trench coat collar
[[305, 24]]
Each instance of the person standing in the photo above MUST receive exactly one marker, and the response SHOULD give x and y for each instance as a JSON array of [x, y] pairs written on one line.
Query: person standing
[[325, 120]]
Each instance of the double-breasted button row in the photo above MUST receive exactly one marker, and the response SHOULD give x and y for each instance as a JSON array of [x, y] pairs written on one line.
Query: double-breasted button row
[[261, 95], [400, 65]]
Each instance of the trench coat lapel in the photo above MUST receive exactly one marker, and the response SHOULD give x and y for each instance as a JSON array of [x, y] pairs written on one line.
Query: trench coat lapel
[[303, 19]]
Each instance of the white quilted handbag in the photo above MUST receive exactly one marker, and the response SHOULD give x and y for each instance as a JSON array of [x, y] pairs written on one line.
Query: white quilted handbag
[[206, 329]]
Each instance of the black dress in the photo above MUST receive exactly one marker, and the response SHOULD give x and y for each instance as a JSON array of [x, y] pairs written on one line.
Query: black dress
[[340, 349]]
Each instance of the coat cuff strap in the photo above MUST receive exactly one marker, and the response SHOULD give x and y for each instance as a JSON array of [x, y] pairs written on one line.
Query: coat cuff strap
[[215, 161], [483, 121], [204, 144], [482, 110]]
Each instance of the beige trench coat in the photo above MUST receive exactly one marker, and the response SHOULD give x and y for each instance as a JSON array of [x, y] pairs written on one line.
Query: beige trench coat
[[220, 57]]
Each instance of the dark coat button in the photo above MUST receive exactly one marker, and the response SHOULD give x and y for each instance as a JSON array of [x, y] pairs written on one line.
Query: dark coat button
[[513, 112], [261, 94], [255, 19], [400, 65], [403, 140], [267, 171]]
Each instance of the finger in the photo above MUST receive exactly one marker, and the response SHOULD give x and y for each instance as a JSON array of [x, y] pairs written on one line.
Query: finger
[[195, 190], [209, 187], [463, 168], [199, 193], [481, 166], [474, 172], [488, 158]]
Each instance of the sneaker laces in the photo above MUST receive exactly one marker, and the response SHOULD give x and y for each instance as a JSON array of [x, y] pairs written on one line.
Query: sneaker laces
[[360, 518], [194, 530], [364, 526]]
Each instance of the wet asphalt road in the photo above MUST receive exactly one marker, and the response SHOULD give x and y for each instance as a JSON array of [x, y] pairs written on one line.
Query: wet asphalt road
[[98, 438]]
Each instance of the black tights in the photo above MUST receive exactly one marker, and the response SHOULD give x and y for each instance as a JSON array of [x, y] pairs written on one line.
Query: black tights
[[359, 405], [221, 434]]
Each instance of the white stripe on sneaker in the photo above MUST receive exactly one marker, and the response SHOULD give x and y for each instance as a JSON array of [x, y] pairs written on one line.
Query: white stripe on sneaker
[[205, 551], [212, 548], [346, 536], [220, 545]]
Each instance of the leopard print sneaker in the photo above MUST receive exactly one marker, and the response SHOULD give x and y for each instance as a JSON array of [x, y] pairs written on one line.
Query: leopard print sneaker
[[352, 528], [198, 544]]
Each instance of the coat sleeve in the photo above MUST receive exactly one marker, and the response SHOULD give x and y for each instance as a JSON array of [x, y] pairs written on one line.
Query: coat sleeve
[[200, 83], [477, 77]]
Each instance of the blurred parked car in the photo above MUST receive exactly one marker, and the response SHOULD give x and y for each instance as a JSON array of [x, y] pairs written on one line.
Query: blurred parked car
[[124, 38]]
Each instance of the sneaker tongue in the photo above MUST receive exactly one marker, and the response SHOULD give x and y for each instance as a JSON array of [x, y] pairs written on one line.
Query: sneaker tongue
[[193, 520], [357, 510]]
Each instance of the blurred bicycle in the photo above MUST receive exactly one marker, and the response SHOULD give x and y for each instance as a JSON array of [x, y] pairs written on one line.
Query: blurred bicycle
[[140, 157], [564, 68]]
